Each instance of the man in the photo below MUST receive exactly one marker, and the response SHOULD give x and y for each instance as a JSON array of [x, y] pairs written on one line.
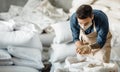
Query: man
[[90, 30]]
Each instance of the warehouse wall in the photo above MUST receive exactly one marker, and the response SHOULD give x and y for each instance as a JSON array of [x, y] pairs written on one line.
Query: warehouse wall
[[66, 4], [5, 4]]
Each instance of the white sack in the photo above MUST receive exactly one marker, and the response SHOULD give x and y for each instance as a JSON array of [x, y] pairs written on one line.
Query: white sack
[[115, 30], [114, 14], [29, 63], [61, 51], [6, 62], [5, 16], [4, 55], [26, 53], [12, 12], [7, 26], [100, 7], [47, 38], [90, 65], [20, 38], [56, 66], [42, 13], [109, 3], [14, 38], [17, 69], [63, 32]]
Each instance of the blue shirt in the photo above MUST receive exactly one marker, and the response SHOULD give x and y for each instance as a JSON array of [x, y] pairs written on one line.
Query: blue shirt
[[101, 24]]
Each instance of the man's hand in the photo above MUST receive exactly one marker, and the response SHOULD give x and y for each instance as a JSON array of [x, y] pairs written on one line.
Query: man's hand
[[85, 49], [79, 43]]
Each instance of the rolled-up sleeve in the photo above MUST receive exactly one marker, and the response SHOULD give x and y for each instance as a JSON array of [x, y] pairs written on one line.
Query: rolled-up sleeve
[[74, 27], [103, 30]]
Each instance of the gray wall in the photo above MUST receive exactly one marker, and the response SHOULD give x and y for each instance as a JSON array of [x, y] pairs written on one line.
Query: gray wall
[[5, 4], [66, 4]]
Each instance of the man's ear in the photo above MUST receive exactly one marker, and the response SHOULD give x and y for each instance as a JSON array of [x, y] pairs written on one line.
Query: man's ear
[[92, 16]]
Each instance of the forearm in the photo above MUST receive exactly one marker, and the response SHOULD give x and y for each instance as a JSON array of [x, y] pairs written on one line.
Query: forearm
[[95, 46]]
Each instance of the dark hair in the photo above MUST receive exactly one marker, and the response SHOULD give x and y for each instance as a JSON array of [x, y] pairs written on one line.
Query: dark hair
[[84, 11]]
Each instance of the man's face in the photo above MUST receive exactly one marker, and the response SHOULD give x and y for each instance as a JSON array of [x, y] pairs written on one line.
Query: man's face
[[85, 22]]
